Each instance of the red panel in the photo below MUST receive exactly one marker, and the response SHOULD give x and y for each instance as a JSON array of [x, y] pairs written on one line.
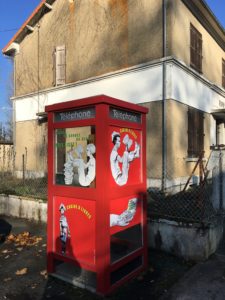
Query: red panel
[[125, 213], [74, 229], [99, 99]]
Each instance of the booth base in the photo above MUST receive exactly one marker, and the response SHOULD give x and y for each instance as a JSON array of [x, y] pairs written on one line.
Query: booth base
[[76, 276]]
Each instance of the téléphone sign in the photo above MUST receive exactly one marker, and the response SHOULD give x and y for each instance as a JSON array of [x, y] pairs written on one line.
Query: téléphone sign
[[123, 115], [75, 115]]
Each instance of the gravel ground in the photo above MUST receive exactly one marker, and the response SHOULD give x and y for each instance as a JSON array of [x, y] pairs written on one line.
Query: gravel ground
[[23, 269]]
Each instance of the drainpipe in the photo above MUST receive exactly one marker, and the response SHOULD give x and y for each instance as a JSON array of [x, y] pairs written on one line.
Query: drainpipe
[[14, 104], [38, 62], [164, 129]]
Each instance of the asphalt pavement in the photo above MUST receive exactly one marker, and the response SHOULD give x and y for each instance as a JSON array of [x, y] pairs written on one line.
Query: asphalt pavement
[[23, 269], [205, 280], [23, 272]]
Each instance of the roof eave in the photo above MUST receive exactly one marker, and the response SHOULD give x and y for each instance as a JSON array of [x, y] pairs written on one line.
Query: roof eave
[[205, 16], [41, 9]]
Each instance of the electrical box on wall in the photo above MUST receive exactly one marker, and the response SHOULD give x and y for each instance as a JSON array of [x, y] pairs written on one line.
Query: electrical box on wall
[[96, 192]]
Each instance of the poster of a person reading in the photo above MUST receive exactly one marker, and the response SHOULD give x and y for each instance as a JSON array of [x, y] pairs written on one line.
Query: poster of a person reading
[[120, 163], [86, 171]]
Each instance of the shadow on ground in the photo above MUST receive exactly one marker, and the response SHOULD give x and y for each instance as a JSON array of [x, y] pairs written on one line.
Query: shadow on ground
[[163, 271], [5, 229], [23, 273]]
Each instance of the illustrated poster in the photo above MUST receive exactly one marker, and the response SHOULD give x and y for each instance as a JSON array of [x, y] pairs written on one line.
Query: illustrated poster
[[74, 225], [124, 213], [125, 156]]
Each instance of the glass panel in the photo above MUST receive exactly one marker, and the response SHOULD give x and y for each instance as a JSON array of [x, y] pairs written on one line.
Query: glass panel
[[125, 242], [75, 156]]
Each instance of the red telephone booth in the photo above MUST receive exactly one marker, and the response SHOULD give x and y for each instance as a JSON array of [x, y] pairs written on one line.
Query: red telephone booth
[[96, 192]]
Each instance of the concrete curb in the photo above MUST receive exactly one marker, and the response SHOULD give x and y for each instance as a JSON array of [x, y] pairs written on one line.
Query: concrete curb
[[168, 236], [192, 242], [21, 207]]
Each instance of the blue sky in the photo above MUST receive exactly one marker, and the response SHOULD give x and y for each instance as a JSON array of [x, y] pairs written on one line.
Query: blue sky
[[13, 13]]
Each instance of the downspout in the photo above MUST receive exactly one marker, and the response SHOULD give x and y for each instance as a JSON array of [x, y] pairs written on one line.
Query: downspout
[[164, 129], [13, 105], [38, 62]]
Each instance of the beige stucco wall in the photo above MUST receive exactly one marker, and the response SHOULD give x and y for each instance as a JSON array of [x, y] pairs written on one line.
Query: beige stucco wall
[[31, 141], [179, 42], [177, 162], [6, 157], [100, 36], [154, 139]]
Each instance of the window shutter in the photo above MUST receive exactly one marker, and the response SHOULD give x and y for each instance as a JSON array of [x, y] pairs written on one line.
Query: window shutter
[[192, 37], [195, 132], [190, 132], [60, 65], [195, 49], [200, 132]]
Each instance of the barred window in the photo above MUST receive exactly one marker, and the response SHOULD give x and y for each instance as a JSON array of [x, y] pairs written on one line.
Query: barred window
[[195, 49], [223, 73], [195, 132]]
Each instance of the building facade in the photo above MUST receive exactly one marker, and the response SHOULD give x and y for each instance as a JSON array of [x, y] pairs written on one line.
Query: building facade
[[167, 55]]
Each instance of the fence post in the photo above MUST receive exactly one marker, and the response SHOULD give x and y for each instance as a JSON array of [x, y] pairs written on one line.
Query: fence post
[[223, 179], [220, 181], [23, 160]]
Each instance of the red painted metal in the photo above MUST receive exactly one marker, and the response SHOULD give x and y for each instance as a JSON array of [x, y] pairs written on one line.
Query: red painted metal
[[96, 214]]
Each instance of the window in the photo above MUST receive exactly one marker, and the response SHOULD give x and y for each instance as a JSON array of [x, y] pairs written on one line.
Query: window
[[223, 73], [195, 132], [195, 49], [59, 66], [75, 156]]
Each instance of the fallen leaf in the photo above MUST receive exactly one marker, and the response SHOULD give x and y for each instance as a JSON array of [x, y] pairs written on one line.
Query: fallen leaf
[[21, 272], [19, 248], [44, 273], [6, 251], [26, 234], [11, 237], [24, 239], [7, 279]]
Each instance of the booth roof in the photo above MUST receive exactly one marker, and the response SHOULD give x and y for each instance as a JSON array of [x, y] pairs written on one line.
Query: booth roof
[[95, 100]]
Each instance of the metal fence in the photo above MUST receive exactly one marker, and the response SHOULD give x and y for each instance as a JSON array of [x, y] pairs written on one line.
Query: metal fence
[[197, 197], [27, 187], [24, 184]]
